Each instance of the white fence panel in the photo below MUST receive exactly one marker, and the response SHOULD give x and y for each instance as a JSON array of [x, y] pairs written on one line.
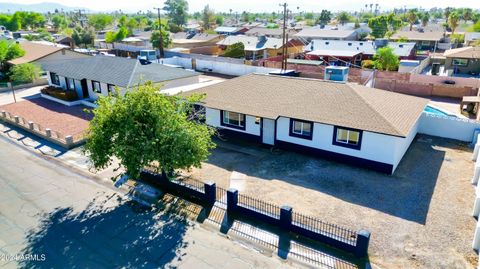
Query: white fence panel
[[448, 127]]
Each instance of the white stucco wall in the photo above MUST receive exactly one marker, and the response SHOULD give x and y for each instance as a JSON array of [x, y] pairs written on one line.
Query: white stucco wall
[[402, 144], [212, 117], [375, 147]]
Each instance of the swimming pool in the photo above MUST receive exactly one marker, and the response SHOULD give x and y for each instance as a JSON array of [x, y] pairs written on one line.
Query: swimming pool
[[436, 111]]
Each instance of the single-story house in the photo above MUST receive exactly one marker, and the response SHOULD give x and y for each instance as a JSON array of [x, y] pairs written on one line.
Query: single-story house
[[39, 53], [426, 40], [341, 51], [64, 40], [227, 30], [270, 32], [464, 60], [345, 122], [99, 75], [194, 40], [262, 46], [308, 34]]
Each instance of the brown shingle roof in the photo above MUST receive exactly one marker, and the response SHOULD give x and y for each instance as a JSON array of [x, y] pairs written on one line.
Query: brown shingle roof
[[33, 52], [347, 105], [466, 52]]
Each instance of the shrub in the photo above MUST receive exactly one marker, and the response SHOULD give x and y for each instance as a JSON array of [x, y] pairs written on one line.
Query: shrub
[[368, 64], [60, 93], [24, 73]]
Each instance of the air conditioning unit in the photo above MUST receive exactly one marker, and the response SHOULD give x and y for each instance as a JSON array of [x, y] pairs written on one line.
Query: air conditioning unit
[[336, 73]]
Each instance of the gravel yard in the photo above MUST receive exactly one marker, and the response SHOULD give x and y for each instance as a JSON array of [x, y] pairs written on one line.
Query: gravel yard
[[419, 218]]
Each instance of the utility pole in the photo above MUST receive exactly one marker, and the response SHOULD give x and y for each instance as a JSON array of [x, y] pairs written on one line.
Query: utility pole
[[162, 54], [284, 38]]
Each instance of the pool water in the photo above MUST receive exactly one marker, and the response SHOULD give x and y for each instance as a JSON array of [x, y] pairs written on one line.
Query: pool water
[[432, 110]]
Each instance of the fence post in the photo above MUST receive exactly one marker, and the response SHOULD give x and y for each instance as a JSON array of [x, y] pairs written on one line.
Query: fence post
[[210, 192], [232, 200], [4, 114], [17, 119], [363, 239], [30, 125], [476, 237], [286, 217], [48, 132], [69, 139]]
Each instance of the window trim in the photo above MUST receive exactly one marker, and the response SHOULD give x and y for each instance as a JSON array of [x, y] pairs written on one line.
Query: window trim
[[67, 83], [292, 134], [108, 88], [222, 123], [345, 145], [99, 86], [57, 78]]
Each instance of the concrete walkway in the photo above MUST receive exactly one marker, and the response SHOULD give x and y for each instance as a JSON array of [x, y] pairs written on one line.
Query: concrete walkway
[[53, 218]]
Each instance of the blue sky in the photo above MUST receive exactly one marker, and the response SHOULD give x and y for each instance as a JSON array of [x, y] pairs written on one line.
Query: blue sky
[[257, 5]]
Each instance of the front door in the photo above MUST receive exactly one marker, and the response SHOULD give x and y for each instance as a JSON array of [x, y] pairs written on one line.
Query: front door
[[268, 131], [84, 88]]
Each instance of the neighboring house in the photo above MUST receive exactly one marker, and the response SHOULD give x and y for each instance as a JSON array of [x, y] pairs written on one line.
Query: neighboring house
[[340, 52], [39, 53], [194, 40], [64, 40], [426, 40], [350, 123], [99, 75], [262, 46], [463, 60], [226, 30], [308, 34], [269, 32], [471, 38]]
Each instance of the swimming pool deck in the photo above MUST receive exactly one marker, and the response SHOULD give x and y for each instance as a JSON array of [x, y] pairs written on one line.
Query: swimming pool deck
[[449, 104]]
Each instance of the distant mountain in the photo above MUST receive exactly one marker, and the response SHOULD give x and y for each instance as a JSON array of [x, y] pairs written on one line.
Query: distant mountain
[[40, 7]]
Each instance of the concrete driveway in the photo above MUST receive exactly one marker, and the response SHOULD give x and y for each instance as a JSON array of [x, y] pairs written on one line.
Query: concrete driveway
[[53, 218]]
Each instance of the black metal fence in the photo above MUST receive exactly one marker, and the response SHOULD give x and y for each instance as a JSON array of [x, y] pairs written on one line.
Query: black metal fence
[[325, 228], [283, 217], [259, 206]]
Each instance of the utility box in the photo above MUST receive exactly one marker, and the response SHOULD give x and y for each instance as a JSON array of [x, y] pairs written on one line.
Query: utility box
[[336, 73]]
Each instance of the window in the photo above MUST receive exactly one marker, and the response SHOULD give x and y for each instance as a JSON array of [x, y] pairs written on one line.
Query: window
[[54, 78], [233, 119], [301, 129], [111, 88], [96, 86], [460, 62], [346, 137], [70, 83]]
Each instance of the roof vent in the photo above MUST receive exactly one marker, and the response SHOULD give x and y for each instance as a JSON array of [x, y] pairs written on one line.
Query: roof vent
[[326, 43], [349, 44]]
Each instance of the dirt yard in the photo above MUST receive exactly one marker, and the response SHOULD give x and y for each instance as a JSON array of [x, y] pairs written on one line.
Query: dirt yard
[[419, 218]]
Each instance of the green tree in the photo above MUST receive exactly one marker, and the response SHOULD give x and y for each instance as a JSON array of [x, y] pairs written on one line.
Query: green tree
[[208, 17], [100, 21], [177, 11], [447, 12], [476, 27], [343, 17], [309, 16], [385, 59], [467, 14], [425, 18], [453, 21], [155, 38], [145, 128], [325, 17], [83, 36], [379, 26], [412, 17], [25, 73], [236, 50], [219, 20], [9, 51], [59, 22]]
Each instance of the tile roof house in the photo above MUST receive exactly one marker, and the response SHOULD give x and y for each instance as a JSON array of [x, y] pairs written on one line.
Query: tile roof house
[[341, 121], [39, 53], [464, 60], [426, 40], [192, 40], [260, 47], [93, 76]]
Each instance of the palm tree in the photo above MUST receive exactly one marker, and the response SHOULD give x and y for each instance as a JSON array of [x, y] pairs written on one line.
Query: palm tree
[[467, 14], [376, 9], [425, 19], [412, 18], [371, 5], [453, 20], [366, 7], [447, 12]]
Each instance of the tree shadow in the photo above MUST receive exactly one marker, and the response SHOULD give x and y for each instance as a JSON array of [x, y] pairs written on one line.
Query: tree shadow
[[126, 235], [405, 194]]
